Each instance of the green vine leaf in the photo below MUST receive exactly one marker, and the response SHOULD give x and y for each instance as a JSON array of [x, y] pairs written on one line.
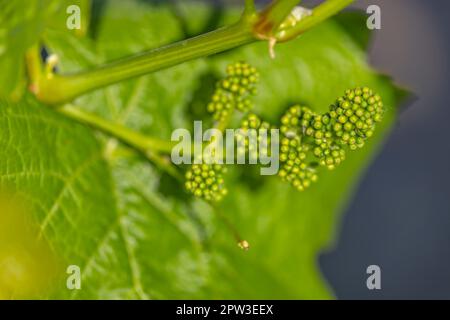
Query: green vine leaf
[[131, 229]]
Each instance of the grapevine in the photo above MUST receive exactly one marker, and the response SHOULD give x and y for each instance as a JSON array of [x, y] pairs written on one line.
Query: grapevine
[[308, 140]]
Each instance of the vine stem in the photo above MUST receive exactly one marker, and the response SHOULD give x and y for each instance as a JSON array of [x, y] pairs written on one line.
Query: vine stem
[[34, 67], [64, 88], [135, 139], [60, 89], [149, 146]]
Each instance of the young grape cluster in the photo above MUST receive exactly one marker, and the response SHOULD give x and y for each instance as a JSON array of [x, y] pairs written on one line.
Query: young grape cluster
[[350, 121], [294, 168], [355, 115], [206, 181], [235, 91]]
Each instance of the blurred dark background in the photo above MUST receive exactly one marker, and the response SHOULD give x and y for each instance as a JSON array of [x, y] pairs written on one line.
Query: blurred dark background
[[400, 217]]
